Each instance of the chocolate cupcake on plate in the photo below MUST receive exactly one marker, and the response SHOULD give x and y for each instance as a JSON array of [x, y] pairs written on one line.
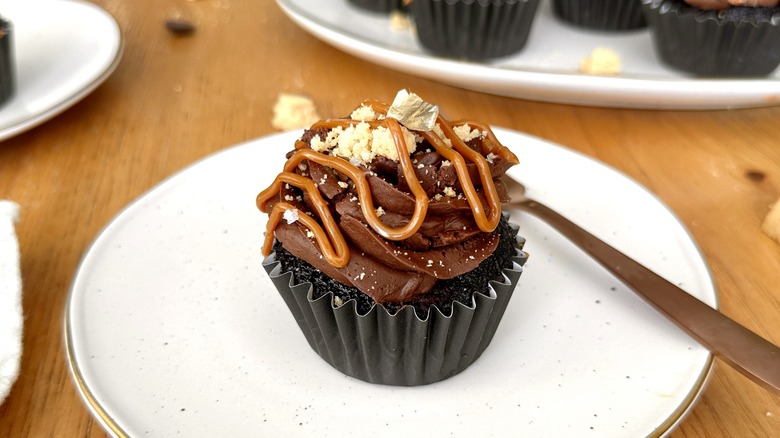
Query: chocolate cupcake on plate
[[605, 15], [716, 38], [387, 242], [7, 69], [381, 6], [473, 29]]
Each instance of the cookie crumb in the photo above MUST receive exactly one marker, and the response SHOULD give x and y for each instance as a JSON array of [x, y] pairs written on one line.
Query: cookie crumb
[[400, 21], [291, 216], [771, 225], [294, 111], [601, 61]]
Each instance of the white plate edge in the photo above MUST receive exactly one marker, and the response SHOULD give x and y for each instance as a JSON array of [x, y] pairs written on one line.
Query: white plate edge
[[55, 110]]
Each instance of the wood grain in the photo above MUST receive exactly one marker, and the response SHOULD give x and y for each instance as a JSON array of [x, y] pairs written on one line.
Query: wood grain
[[175, 99]]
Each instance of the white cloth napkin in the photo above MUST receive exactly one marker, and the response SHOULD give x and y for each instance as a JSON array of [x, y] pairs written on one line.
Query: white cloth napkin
[[10, 299]]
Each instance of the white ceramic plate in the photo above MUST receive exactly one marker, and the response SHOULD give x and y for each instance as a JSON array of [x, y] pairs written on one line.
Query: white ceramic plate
[[547, 69], [64, 49], [173, 328]]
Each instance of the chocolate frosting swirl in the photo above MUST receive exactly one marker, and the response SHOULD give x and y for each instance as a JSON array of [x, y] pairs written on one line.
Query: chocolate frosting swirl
[[391, 227]]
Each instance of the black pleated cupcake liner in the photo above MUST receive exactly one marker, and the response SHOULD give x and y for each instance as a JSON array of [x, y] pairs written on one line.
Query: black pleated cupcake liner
[[7, 64], [606, 15], [473, 29], [708, 43], [381, 6], [398, 349]]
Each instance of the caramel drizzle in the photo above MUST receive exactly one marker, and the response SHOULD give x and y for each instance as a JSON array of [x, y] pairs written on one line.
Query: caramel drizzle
[[492, 145], [339, 257], [456, 156], [364, 190]]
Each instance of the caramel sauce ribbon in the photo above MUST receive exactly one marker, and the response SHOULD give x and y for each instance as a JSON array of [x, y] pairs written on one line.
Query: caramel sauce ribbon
[[486, 222], [490, 144], [333, 246], [361, 183]]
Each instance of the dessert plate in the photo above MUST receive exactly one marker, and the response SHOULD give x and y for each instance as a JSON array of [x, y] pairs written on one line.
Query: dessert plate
[[64, 49], [173, 328], [547, 69]]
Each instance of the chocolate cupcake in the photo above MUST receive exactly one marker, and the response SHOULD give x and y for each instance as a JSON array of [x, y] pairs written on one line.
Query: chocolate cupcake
[[386, 240], [473, 29], [7, 69], [712, 38], [382, 6], [606, 15]]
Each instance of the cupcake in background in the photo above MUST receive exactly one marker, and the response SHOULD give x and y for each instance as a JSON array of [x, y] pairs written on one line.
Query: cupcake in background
[[7, 69], [716, 38], [386, 240], [606, 15], [473, 29], [381, 6]]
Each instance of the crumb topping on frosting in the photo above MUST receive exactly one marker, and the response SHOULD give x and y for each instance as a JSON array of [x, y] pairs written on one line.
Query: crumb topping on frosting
[[360, 143], [465, 133], [291, 215], [365, 113]]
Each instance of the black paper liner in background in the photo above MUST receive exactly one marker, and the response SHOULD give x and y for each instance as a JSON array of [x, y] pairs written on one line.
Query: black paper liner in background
[[743, 42], [399, 349], [606, 15], [7, 64], [381, 6], [473, 29]]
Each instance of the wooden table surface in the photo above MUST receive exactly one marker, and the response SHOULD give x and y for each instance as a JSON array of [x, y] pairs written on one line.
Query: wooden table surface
[[175, 99]]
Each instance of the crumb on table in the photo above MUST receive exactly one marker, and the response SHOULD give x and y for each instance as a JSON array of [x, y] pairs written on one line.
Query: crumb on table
[[771, 225], [294, 111]]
